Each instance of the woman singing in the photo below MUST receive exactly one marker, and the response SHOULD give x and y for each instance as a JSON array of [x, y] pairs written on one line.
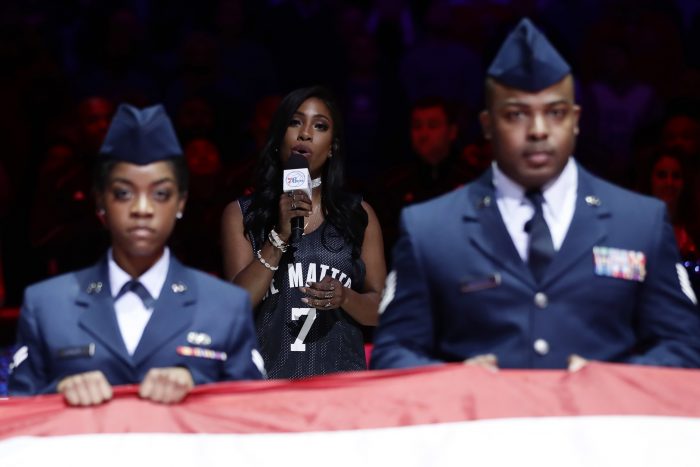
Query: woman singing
[[310, 297]]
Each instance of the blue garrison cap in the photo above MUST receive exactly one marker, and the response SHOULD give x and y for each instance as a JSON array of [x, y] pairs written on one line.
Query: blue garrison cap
[[140, 136], [527, 60]]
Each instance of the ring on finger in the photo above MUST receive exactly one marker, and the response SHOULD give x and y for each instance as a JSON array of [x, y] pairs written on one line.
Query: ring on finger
[[294, 205], [328, 304], [329, 295]]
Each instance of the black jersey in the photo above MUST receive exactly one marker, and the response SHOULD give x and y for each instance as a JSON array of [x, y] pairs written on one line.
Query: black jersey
[[298, 341]]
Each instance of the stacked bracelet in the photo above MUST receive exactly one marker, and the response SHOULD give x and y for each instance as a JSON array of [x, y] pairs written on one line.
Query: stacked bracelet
[[265, 263], [276, 241]]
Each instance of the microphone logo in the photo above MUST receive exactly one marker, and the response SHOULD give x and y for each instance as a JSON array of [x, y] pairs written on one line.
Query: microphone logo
[[295, 179]]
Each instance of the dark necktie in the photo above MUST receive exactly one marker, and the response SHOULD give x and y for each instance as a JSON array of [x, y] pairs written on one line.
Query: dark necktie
[[138, 289], [541, 248]]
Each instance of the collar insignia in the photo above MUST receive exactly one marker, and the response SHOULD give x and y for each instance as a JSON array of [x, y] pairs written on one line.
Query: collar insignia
[[94, 288], [592, 200], [484, 202]]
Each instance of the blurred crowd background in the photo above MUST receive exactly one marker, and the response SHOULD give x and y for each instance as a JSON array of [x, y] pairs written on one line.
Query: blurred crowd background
[[408, 75]]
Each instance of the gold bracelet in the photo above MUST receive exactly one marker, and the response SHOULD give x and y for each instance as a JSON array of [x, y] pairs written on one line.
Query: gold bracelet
[[265, 263]]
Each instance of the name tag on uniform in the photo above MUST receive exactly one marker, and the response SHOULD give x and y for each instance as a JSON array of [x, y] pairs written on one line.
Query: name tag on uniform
[[81, 351], [473, 284], [621, 264], [200, 352]]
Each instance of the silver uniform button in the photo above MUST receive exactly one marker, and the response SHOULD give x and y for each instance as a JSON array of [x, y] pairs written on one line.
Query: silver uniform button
[[541, 346], [541, 300]]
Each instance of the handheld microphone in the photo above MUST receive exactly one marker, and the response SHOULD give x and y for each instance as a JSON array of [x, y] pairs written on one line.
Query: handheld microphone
[[296, 177]]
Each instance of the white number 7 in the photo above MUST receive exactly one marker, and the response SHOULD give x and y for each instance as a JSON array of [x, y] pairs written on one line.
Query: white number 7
[[310, 313]]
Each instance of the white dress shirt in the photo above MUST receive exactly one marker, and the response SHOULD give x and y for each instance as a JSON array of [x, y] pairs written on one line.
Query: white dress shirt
[[132, 315], [558, 208]]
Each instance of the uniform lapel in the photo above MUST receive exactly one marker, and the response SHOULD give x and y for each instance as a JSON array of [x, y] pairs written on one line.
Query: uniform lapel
[[99, 318], [172, 313], [493, 238], [587, 229]]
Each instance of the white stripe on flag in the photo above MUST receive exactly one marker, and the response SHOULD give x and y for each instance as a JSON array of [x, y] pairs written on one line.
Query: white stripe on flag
[[542, 442]]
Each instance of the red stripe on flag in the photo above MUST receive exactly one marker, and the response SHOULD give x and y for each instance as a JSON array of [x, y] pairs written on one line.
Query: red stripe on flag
[[439, 394]]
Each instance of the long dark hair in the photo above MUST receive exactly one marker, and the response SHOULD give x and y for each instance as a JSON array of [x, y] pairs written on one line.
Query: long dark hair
[[340, 209]]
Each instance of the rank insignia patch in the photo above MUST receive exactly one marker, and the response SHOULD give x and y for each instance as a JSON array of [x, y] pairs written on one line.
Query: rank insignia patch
[[686, 286]]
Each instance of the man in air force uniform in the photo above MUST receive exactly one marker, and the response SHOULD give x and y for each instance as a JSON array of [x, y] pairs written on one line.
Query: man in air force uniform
[[538, 261]]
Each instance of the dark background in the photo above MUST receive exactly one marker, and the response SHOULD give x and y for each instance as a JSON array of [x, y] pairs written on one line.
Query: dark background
[[211, 62]]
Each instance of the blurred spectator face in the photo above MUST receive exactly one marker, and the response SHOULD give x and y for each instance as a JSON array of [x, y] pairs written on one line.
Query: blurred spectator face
[[667, 180], [260, 123], [682, 133], [477, 156], [94, 114], [432, 134], [57, 156], [202, 157]]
